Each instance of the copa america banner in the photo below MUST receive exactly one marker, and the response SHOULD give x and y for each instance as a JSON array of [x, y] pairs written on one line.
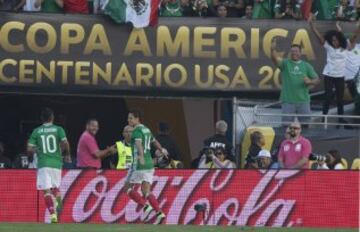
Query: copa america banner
[[277, 198], [89, 54]]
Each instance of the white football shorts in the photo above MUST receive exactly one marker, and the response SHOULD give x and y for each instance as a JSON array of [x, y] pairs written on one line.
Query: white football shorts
[[48, 178], [139, 176]]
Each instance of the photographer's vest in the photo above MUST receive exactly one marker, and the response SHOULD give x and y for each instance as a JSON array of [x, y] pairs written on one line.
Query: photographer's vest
[[124, 155]]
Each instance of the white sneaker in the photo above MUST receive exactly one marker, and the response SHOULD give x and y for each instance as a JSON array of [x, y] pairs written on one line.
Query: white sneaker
[[147, 211], [160, 217]]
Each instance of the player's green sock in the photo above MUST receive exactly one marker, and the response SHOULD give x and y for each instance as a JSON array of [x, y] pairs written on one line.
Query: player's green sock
[[58, 204]]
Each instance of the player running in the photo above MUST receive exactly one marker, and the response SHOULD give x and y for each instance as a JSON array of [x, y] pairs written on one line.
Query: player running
[[49, 142], [142, 169]]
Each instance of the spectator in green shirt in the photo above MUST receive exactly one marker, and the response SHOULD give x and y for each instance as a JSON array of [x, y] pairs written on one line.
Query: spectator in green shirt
[[323, 9], [50, 6], [171, 8], [297, 78], [262, 9]]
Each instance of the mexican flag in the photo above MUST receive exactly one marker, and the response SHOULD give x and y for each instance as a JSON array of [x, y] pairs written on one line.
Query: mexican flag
[[141, 13]]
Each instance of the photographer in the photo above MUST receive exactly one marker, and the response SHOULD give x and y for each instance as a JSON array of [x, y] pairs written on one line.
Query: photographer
[[164, 161], [319, 161], [215, 159], [332, 160]]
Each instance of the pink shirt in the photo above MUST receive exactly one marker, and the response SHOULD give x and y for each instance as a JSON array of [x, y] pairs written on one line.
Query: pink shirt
[[291, 152], [86, 149]]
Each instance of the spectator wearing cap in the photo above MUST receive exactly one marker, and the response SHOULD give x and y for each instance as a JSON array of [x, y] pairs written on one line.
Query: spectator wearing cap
[[257, 141], [265, 161], [295, 151], [218, 160], [167, 142], [219, 139]]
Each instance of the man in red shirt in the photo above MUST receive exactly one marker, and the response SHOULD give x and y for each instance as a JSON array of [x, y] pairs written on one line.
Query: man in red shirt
[[88, 153], [75, 6], [294, 152]]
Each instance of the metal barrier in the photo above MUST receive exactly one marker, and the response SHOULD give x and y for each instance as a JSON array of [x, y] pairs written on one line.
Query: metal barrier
[[317, 119]]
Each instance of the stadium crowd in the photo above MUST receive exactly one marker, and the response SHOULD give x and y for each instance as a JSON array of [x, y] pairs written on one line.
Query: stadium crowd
[[345, 10]]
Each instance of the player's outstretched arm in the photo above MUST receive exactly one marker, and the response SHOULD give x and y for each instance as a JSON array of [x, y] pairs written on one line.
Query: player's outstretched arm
[[160, 148], [100, 154]]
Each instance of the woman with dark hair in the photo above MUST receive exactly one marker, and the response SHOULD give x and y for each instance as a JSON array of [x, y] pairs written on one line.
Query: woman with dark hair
[[333, 160], [335, 45]]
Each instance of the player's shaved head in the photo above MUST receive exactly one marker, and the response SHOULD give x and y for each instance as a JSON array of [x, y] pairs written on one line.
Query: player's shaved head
[[47, 115]]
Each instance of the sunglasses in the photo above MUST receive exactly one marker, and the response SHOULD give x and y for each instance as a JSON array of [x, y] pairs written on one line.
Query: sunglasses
[[294, 128]]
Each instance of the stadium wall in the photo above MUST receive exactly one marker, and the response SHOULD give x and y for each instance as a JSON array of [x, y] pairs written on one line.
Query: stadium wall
[[278, 198]]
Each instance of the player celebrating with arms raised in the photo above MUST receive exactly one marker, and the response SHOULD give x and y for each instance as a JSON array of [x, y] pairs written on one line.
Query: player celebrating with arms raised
[[49, 142], [142, 169]]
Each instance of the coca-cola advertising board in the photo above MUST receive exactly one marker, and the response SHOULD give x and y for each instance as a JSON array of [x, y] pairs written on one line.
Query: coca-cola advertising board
[[281, 198]]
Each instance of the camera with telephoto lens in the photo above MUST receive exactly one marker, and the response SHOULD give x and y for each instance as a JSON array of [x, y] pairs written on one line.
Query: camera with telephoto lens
[[163, 162], [317, 157], [208, 152]]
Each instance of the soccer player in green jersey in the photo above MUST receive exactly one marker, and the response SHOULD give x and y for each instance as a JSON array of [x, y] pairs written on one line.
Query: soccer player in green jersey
[[49, 142], [142, 169]]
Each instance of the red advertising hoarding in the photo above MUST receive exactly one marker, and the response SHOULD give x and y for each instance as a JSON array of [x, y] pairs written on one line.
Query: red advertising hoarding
[[284, 198]]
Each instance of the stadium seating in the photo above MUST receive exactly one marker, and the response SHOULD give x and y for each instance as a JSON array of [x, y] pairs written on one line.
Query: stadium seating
[[345, 163], [268, 133], [356, 164]]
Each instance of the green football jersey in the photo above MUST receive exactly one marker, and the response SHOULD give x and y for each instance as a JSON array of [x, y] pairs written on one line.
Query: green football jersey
[[46, 138], [142, 133], [293, 88]]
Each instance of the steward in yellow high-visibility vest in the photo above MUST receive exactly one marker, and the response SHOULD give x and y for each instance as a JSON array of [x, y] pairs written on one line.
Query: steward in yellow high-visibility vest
[[124, 155], [124, 149]]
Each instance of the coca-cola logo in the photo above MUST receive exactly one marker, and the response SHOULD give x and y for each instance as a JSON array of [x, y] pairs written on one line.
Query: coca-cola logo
[[179, 194]]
